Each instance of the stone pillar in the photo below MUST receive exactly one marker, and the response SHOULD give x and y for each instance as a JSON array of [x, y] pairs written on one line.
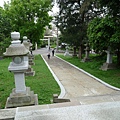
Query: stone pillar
[[26, 42], [57, 42], [21, 95], [35, 46], [66, 52], [48, 43], [31, 56], [108, 64], [87, 51], [19, 83], [109, 57]]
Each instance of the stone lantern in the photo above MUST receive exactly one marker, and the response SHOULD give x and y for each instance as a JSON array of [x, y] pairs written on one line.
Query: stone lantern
[[66, 52], [108, 64], [31, 56], [31, 48], [27, 44], [87, 50], [21, 95]]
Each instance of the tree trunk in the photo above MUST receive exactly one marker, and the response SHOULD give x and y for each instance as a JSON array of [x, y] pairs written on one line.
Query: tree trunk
[[80, 52], [74, 51], [118, 57]]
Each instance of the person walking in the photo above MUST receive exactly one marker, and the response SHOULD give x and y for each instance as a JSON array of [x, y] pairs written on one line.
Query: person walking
[[53, 51], [48, 55]]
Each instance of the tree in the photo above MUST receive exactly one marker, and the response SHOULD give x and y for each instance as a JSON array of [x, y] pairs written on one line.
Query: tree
[[77, 13], [69, 23], [105, 31], [100, 33], [113, 9], [29, 17], [5, 29]]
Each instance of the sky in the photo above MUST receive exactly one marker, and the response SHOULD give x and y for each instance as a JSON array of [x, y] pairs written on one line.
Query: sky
[[2, 2]]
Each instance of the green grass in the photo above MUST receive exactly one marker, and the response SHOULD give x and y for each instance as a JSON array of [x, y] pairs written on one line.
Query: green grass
[[42, 83], [111, 77]]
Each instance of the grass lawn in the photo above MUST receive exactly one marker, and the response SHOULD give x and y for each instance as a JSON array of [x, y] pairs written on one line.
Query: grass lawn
[[111, 77], [42, 83]]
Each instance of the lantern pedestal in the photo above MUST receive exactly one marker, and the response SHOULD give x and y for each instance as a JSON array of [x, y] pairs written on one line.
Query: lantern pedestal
[[21, 99]]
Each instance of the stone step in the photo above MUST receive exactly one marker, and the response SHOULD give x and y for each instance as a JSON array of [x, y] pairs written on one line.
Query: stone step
[[29, 109], [7, 114], [101, 111], [97, 99], [30, 73], [22, 113], [48, 106]]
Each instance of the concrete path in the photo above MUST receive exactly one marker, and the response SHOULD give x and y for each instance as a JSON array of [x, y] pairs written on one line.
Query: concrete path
[[76, 83]]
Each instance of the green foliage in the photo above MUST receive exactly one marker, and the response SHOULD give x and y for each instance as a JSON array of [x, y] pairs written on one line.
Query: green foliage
[[6, 81], [68, 22], [29, 17], [73, 20], [112, 6], [4, 44], [104, 32], [115, 38], [5, 29]]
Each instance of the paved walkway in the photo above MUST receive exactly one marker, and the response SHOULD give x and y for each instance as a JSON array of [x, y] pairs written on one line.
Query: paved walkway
[[77, 84]]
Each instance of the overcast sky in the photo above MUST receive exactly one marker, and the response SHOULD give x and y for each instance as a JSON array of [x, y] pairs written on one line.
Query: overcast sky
[[2, 2]]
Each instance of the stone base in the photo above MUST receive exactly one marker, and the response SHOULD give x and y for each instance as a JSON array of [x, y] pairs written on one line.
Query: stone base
[[31, 62], [59, 100], [30, 71], [66, 54], [74, 55], [21, 99], [86, 59], [31, 56], [107, 66]]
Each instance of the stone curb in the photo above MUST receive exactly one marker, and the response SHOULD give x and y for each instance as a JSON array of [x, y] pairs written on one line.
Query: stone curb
[[99, 80], [62, 94]]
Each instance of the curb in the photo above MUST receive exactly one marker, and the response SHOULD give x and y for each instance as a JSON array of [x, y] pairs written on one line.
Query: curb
[[99, 80], [62, 94]]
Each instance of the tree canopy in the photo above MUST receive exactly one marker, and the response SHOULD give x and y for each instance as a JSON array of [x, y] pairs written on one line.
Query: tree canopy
[[5, 29], [105, 31], [73, 19], [29, 17], [68, 22]]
